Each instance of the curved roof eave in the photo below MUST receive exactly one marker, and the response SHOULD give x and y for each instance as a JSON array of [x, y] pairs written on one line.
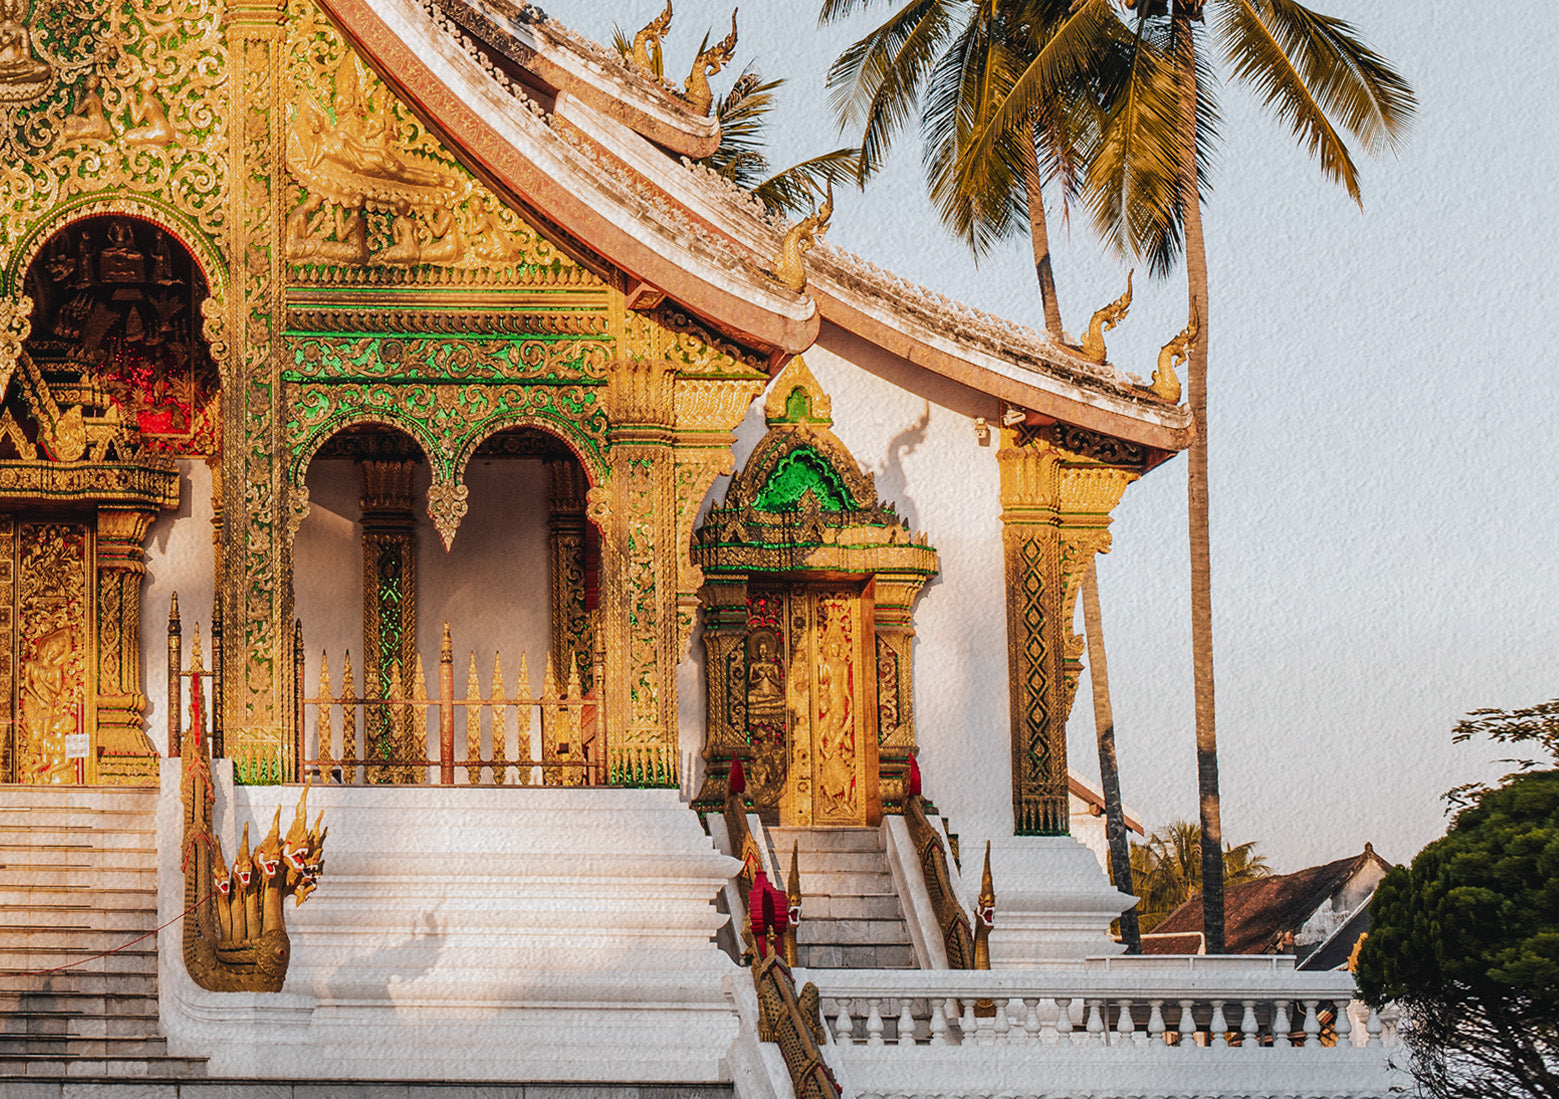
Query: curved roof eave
[[494, 134], [1148, 423], [569, 63]]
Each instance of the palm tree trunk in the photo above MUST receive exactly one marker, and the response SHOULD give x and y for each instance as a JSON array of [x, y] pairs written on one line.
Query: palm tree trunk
[[1109, 777], [1039, 234], [1196, 492]]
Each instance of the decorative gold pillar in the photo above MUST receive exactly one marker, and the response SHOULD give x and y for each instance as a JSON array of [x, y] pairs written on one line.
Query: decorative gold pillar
[[895, 627], [638, 577], [1058, 485], [389, 568], [256, 561], [124, 752], [573, 631]]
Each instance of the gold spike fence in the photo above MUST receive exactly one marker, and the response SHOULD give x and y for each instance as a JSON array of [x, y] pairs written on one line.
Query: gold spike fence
[[401, 724]]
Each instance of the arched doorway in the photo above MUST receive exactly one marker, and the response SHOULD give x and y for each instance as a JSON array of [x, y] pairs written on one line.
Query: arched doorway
[[113, 391], [506, 611]]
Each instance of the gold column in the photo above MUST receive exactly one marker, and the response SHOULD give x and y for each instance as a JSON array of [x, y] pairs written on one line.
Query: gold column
[[256, 562], [895, 628], [725, 676], [1056, 504], [124, 753], [389, 601], [638, 577], [573, 632]]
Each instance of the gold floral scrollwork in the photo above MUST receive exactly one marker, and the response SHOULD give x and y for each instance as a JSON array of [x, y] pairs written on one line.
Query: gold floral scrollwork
[[15, 326]]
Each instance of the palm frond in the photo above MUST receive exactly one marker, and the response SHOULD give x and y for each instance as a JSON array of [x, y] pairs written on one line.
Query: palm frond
[[835, 10], [1258, 58], [1356, 85], [794, 190], [876, 81], [743, 115]]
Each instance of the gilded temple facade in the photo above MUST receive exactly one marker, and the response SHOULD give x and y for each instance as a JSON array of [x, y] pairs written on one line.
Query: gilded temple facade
[[394, 406]]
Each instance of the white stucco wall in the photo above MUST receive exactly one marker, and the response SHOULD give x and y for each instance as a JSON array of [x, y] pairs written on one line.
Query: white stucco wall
[[180, 557]]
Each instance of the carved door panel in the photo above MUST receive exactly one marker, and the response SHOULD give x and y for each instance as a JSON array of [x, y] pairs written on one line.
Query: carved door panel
[[812, 706], [46, 637]]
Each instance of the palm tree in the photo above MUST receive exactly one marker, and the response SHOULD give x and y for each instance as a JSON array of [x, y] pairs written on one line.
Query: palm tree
[[1146, 182], [957, 60], [1168, 868]]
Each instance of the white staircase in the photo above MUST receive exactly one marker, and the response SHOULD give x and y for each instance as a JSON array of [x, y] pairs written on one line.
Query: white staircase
[[78, 878], [851, 917]]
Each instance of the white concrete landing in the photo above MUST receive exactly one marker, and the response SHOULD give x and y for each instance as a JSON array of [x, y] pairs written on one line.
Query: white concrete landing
[[473, 934]]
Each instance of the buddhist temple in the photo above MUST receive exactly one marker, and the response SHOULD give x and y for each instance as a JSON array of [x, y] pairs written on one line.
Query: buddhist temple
[[488, 605]]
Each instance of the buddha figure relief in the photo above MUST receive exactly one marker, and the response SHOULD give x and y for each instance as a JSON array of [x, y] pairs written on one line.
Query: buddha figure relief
[[22, 74], [87, 120]]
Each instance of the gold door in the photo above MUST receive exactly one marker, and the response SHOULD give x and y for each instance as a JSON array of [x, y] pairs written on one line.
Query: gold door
[[46, 635], [812, 707]]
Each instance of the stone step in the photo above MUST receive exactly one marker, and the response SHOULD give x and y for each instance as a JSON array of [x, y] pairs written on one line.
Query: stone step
[[141, 958], [77, 1004], [853, 932], [15, 858], [839, 862], [824, 839], [25, 918], [141, 897], [67, 1045], [111, 985], [16, 828], [121, 799], [856, 957], [874, 906], [23, 1066], [143, 1023], [53, 877], [847, 885]]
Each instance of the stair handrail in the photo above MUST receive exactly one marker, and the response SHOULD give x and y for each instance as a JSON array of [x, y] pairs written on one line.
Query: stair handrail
[[952, 921]]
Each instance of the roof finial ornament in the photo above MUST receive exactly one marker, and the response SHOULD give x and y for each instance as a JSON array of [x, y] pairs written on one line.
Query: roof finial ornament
[[645, 54], [705, 65], [1166, 386], [1105, 319], [789, 270]]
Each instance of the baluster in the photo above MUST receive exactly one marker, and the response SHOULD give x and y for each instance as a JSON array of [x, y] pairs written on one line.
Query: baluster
[[1344, 1024], [1249, 1027], [473, 724], [373, 726], [498, 707], [393, 714], [1218, 1029], [938, 1024], [906, 1024], [1063, 1020], [1125, 1025], [1001, 1023], [1018, 1020], [348, 724], [524, 776], [1156, 1022], [1374, 1028], [874, 1024], [844, 1026], [323, 731], [446, 710], [1096, 1026], [1187, 1025], [574, 776], [1312, 1025], [549, 724], [1031, 1026], [1280, 1025], [419, 707]]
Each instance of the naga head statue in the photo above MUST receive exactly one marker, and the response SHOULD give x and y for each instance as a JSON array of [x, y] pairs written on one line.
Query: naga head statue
[[303, 851], [243, 866], [267, 856]]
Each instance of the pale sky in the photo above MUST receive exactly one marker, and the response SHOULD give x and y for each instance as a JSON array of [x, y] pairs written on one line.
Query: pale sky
[[1383, 424]]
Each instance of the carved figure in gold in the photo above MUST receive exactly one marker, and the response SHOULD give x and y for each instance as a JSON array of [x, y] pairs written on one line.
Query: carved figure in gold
[[1166, 384], [22, 74], [87, 120], [1105, 319], [698, 93], [765, 681], [438, 241], [150, 118], [789, 269], [121, 261], [646, 44], [312, 225], [48, 714], [835, 726]]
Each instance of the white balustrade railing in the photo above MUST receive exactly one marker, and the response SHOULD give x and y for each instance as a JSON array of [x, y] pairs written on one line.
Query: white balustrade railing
[[1193, 1003]]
